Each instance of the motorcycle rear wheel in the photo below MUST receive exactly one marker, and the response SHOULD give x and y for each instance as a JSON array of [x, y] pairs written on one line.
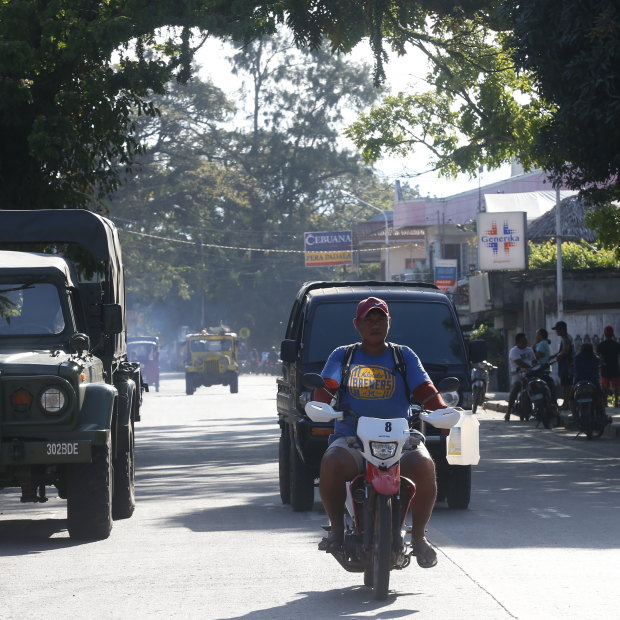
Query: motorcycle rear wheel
[[381, 552]]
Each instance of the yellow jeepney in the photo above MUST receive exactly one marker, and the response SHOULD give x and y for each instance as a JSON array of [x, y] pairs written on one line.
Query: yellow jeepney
[[211, 359]]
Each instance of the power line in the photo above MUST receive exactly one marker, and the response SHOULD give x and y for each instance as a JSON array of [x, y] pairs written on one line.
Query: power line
[[233, 247]]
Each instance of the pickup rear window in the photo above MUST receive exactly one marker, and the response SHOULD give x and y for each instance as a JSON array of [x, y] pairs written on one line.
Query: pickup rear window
[[427, 327]]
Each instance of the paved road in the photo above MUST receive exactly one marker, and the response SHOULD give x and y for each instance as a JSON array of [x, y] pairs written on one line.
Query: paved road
[[210, 538]]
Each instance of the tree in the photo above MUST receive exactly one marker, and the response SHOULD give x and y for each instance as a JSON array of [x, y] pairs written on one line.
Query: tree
[[472, 113], [575, 66], [212, 221], [74, 73]]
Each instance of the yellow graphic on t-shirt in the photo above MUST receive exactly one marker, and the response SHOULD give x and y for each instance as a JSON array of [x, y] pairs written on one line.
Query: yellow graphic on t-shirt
[[371, 382]]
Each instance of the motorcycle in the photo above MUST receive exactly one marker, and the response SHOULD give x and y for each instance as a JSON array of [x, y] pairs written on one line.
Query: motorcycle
[[378, 500], [523, 404], [540, 395], [480, 383], [587, 409]]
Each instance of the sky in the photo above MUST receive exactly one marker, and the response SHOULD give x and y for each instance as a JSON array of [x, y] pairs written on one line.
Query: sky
[[401, 72]]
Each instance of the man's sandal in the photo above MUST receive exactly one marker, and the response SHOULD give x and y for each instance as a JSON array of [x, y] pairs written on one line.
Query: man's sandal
[[332, 542], [424, 553]]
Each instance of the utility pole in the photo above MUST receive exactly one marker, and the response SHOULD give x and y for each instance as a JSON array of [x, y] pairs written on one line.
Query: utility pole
[[558, 241]]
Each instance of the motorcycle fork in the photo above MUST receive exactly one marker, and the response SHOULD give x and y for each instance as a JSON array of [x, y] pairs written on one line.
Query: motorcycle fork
[[368, 510]]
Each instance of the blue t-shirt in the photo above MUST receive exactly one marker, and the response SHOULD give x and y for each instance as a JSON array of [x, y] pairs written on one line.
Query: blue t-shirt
[[545, 350], [375, 388]]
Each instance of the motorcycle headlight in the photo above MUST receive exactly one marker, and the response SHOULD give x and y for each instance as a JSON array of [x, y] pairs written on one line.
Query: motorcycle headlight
[[53, 400], [383, 450], [451, 398]]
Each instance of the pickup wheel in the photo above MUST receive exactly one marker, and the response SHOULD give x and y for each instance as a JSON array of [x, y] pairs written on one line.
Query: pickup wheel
[[302, 482], [284, 466], [124, 498], [458, 486], [234, 383], [190, 388], [89, 496]]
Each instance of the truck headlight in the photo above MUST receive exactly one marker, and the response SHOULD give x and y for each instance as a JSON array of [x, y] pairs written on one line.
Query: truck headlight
[[383, 450], [53, 400]]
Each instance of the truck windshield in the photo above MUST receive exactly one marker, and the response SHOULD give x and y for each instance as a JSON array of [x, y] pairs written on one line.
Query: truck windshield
[[429, 328], [27, 309], [210, 345]]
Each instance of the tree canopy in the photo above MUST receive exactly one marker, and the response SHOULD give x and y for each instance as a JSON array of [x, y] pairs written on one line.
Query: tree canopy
[[212, 219], [536, 80]]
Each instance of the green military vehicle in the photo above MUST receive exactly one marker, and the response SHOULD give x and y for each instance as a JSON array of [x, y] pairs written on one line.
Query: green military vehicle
[[211, 359], [69, 395]]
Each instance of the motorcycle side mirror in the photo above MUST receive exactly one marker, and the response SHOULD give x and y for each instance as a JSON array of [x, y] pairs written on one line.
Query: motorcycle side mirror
[[449, 384], [312, 380]]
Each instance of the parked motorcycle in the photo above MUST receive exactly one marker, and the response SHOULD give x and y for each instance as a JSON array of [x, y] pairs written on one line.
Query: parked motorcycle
[[480, 383], [378, 501], [587, 409], [523, 405], [539, 394]]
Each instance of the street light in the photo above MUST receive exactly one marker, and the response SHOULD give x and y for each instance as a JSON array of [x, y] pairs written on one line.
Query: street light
[[387, 237]]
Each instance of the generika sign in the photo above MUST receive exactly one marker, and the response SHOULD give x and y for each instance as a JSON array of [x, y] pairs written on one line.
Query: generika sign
[[502, 241], [328, 248]]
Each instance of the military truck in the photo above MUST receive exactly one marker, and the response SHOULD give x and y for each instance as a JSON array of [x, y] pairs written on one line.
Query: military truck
[[321, 319], [211, 358], [69, 395]]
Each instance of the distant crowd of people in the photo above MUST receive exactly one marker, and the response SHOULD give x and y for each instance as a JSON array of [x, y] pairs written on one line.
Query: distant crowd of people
[[600, 366]]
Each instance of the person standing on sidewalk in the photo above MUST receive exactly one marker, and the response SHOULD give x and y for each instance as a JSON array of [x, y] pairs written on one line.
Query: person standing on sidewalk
[[543, 357], [565, 357], [520, 358], [609, 351]]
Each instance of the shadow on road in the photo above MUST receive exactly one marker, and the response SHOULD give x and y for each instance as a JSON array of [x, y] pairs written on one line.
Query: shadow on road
[[354, 603], [27, 536]]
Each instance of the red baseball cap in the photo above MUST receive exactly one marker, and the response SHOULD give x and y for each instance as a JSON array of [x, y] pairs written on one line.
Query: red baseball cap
[[608, 331], [371, 303]]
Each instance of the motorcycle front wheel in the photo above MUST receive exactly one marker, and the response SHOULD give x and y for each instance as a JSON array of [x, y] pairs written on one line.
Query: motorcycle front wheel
[[381, 552], [477, 398]]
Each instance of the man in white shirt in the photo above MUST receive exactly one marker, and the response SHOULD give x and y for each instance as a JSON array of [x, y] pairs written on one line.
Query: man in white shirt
[[520, 357]]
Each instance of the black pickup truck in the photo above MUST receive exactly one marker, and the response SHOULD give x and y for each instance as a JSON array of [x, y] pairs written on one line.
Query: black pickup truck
[[321, 319]]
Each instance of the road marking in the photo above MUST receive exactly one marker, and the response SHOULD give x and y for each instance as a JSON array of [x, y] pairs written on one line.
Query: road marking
[[548, 513]]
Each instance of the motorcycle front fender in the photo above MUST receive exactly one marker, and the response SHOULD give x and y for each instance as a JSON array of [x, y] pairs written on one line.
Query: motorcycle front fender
[[384, 482]]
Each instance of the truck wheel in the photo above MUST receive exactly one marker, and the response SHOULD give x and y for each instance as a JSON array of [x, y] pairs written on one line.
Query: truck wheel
[[284, 467], [458, 487], [89, 496], [234, 383], [189, 384], [302, 482], [124, 499]]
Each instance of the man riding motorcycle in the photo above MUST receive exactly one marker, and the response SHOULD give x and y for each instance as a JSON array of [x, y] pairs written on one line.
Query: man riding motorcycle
[[372, 386]]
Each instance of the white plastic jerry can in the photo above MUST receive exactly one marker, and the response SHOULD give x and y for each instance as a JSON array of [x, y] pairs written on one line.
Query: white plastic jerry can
[[463, 445]]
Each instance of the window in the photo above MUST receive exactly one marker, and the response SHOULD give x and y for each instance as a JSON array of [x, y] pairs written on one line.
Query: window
[[429, 328]]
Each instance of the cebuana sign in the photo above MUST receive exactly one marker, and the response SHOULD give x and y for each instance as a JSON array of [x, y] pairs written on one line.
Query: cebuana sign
[[328, 248], [502, 241]]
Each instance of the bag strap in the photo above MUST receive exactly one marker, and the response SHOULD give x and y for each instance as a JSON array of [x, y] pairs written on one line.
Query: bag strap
[[346, 370], [399, 363]]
